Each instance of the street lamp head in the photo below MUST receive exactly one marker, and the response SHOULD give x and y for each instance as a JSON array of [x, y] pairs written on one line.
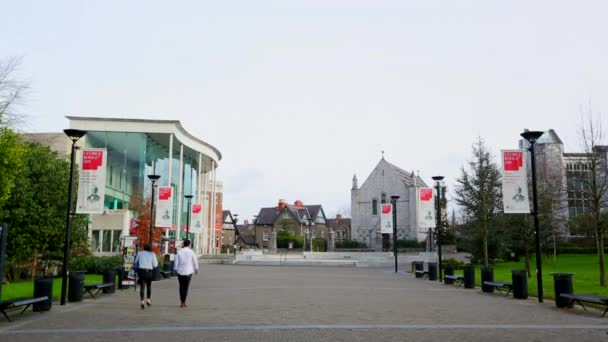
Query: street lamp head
[[74, 134], [394, 198], [189, 197], [532, 136], [154, 178], [437, 178]]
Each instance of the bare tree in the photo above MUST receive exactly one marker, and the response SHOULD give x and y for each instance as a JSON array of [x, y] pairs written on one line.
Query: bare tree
[[12, 91], [594, 187]]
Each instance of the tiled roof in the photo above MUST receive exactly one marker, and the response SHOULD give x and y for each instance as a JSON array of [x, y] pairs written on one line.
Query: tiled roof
[[266, 216]]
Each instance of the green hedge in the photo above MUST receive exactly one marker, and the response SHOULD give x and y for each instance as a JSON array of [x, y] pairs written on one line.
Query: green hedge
[[350, 244], [319, 245], [410, 244], [95, 265], [578, 250], [455, 263], [284, 237]]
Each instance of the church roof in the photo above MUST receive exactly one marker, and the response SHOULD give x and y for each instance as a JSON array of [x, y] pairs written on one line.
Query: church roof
[[407, 178]]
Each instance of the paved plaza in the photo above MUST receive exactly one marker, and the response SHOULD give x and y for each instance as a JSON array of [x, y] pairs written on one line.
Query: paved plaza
[[274, 303]]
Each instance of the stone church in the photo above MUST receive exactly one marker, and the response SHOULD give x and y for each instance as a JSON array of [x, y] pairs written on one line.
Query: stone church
[[386, 180]]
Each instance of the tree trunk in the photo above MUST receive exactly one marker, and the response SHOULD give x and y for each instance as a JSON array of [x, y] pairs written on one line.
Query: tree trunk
[[485, 246], [34, 263], [600, 254]]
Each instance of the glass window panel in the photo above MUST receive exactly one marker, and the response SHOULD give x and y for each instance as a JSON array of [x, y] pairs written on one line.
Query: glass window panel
[[107, 241], [95, 241], [116, 235], [374, 207]]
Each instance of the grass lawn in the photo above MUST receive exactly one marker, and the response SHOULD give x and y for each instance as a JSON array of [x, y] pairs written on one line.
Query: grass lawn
[[25, 288], [584, 266]]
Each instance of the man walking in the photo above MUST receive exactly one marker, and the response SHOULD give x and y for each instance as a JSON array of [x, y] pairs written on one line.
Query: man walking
[[185, 264]]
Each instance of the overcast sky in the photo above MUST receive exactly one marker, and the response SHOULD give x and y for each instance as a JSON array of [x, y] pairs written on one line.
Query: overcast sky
[[299, 95]]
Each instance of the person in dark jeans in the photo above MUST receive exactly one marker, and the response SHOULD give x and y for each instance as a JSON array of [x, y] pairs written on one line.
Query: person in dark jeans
[[185, 264], [146, 261]]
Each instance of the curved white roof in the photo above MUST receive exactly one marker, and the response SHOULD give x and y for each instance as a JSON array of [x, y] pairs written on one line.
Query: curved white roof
[[145, 126]]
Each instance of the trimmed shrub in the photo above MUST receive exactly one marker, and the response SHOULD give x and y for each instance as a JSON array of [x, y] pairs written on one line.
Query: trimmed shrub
[[95, 265], [408, 244], [350, 244], [455, 263], [284, 237], [319, 245]]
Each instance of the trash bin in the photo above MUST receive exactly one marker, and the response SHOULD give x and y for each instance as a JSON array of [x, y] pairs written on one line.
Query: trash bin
[[156, 273], [43, 286], [419, 267], [167, 269], [109, 276], [562, 283], [432, 271], [120, 272], [519, 278], [469, 277], [487, 274], [76, 286], [449, 271]]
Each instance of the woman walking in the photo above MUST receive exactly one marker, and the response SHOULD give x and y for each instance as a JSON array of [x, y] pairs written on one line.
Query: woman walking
[[146, 262]]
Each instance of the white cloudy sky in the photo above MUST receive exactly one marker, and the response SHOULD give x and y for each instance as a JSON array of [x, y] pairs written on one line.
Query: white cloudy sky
[[299, 95]]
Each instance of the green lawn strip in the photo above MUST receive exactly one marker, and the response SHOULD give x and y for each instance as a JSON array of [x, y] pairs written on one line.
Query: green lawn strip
[[25, 288], [584, 266]]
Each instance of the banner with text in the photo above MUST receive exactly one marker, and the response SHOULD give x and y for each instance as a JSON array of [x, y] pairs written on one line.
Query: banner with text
[[92, 181], [197, 218], [386, 219], [426, 208], [164, 207], [515, 182]]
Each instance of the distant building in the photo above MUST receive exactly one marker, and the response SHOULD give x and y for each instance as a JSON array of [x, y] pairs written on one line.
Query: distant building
[[302, 220], [386, 180], [341, 227], [228, 235]]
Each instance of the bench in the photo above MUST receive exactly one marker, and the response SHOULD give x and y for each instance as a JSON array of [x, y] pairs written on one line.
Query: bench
[[166, 273], [99, 286], [17, 302], [425, 274], [458, 279], [500, 286], [589, 298]]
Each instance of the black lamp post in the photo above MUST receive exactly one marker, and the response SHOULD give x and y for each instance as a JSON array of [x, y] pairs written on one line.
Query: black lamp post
[[532, 137], [309, 234], [394, 203], [438, 180], [153, 178], [189, 198], [74, 135]]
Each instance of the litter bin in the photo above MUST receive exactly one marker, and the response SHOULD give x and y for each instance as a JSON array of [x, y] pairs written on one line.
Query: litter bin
[[419, 267], [109, 276], [469, 277], [449, 271], [120, 272], [562, 283], [156, 273], [487, 274], [432, 271], [43, 286], [76, 286], [519, 278]]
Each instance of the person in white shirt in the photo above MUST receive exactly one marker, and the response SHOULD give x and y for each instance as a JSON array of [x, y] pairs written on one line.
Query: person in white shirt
[[185, 264]]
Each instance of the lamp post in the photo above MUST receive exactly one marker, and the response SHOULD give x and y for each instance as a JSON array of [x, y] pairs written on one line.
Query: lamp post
[[532, 137], [74, 135], [309, 233], [438, 180], [189, 198], [394, 203], [152, 178]]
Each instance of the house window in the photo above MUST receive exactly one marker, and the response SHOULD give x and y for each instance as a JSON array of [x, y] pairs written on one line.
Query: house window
[[285, 215], [265, 235], [374, 206]]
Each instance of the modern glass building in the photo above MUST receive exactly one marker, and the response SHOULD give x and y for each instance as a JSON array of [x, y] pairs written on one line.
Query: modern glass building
[[138, 148]]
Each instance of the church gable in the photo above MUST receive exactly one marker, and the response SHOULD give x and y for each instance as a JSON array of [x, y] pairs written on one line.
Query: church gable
[[382, 173]]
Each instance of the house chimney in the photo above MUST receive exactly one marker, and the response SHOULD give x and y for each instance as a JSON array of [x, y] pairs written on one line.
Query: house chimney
[[282, 204], [246, 222], [298, 203], [338, 217]]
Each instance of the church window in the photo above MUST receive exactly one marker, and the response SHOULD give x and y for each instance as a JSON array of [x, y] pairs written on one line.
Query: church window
[[383, 198], [374, 206]]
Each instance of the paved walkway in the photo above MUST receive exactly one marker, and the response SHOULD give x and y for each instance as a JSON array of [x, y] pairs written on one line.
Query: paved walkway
[[250, 303]]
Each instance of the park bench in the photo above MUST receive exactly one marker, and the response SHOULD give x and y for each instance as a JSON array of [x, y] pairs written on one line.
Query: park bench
[[500, 286], [589, 298], [458, 279], [99, 286], [425, 274], [166, 273], [17, 302]]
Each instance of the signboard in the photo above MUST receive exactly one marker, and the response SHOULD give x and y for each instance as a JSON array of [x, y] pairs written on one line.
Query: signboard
[[92, 181], [164, 207], [426, 208], [128, 258], [515, 182], [386, 219], [196, 218]]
